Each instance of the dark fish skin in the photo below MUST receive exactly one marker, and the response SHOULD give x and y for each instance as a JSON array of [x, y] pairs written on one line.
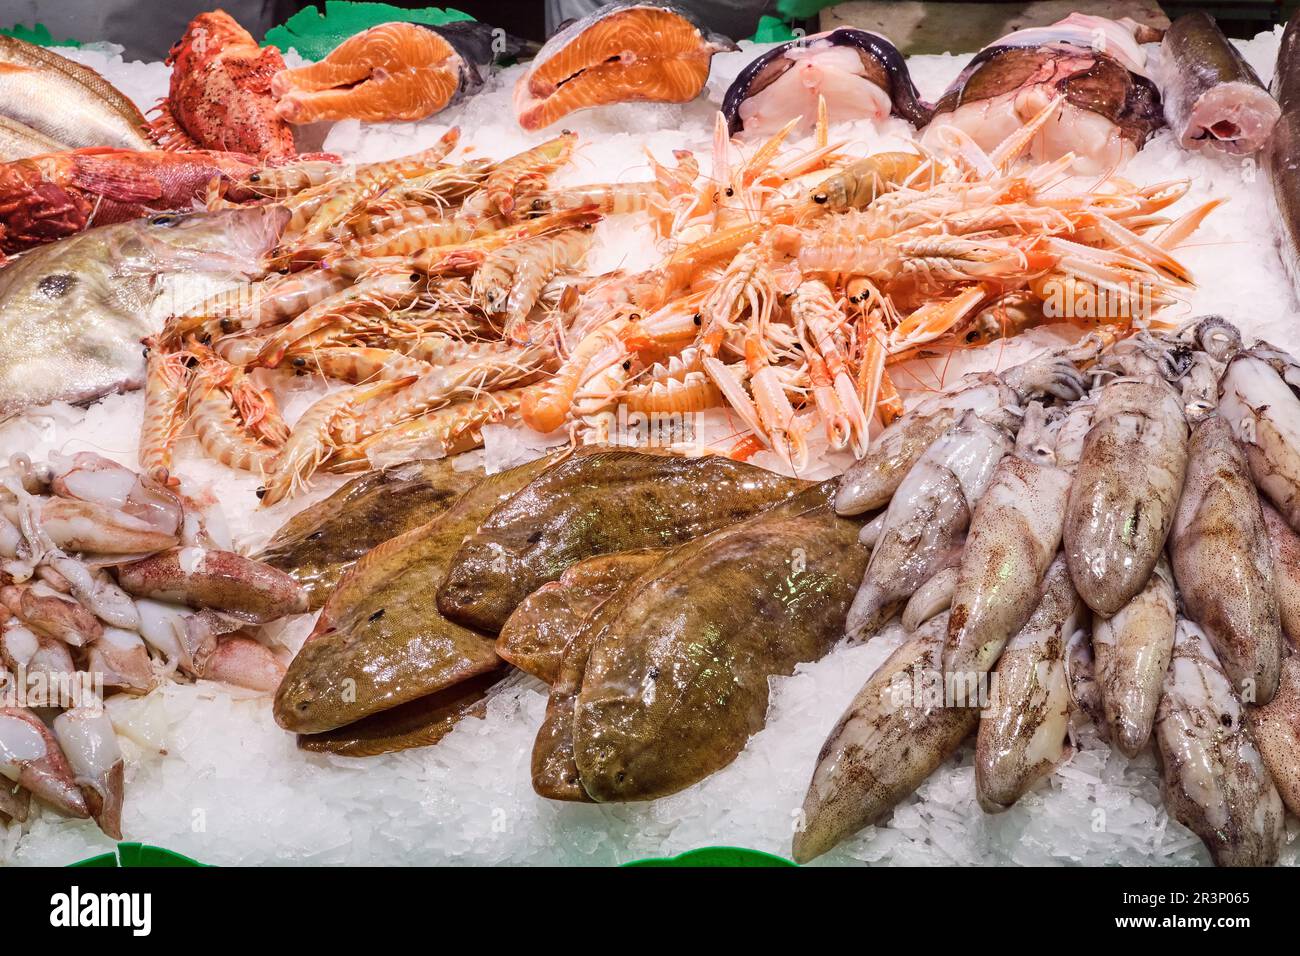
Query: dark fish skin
[[420, 723], [535, 635], [598, 503], [885, 65], [318, 544], [1282, 154], [1107, 88], [677, 681], [476, 43], [380, 640]]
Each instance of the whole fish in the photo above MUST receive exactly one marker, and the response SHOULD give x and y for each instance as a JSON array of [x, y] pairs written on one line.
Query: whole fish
[[1132, 651], [1257, 396], [1022, 732], [894, 734], [66, 101], [18, 141], [535, 636], [927, 517], [1281, 155], [597, 503], [1212, 96], [1015, 531], [1284, 544], [1125, 489], [380, 641], [678, 679], [321, 542], [1275, 727], [73, 313], [1223, 565], [1214, 780]]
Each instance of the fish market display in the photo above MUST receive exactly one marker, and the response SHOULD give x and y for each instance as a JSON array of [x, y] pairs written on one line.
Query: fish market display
[[73, 313], [1212, 96], [394, 71], [65, 102], [1283, 147], [860, 75], [1095, 66], [109, 582], [220, 94], [47, 197], [624, 51]]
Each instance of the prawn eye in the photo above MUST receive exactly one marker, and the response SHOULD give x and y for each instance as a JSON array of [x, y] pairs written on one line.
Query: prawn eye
[[255, 178], [627, 365], [697, 319], [634, 317], [298, 362], [261, 492], [415, 277], [730, 192], [820, 198]]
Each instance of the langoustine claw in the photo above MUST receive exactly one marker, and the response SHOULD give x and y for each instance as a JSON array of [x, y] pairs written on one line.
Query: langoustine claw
[[889, 740], [220, 580], [1215, 782], [1223, 565], [1022, 733]]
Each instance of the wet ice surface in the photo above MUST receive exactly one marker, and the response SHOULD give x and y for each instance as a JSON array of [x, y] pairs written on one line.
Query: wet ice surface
[[210, 775]]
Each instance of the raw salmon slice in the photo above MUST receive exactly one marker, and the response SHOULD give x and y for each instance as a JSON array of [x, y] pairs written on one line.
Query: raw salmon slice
[[623, 52], [395, 71]]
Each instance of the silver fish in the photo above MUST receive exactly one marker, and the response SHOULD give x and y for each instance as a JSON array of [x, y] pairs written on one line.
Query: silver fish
[[1222, 563], [893, 735], [1015, 532], [1132, 651], [1214, 780], [72, 313], [66, 101], [1126, 487], [1257, 396], [1022, 733], [19, 141], [928, 515]]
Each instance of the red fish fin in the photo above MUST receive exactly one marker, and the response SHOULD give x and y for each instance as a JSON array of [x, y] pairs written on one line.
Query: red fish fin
[[112, 178], [167, 130]]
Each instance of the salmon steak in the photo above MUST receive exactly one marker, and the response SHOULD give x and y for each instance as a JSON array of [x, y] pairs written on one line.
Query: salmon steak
[[623, 52], [395, 71]]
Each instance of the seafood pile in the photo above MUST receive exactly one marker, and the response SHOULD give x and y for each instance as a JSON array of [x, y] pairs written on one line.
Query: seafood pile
[[111, 583], [451, 333]]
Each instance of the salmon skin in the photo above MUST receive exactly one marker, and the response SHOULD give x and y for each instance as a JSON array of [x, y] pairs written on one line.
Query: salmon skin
[[624, 52], [1212, 96], [393, 71], [1282, 154], [860, 74]]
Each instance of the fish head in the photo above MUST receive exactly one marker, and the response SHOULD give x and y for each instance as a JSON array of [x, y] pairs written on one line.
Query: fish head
[[226, 241], [309, 695]]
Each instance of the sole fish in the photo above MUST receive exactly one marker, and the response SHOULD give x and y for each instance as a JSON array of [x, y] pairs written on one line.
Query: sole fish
[[1126, 487], [320, 543], [1223, 565], [1214, 780], [380, 641], [601, 502], [678, 678], [65, 101], [893, 735], [623, 52]]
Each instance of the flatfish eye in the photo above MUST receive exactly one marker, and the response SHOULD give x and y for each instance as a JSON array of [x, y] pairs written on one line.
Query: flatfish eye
[[165, 219], [56, 286]]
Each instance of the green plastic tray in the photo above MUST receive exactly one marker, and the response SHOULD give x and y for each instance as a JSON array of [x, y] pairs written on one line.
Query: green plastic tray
[[314, 34], [39, 34], [139, 854], [717, 856]]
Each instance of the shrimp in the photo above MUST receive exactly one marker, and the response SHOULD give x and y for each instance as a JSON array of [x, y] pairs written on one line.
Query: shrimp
[[819, 317], [166, 380], [312, 441], [526, 172], [546, 406], [356, 365], [510, 279], [251, 306], [215, 421], [611, 199]]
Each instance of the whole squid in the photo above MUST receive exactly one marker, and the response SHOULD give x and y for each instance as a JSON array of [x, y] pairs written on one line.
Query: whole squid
[[1257, 396], [1284, 544], [1222, 563], [1132, 651], [1215, 782], [1276, 729], [1014, 533], [894, 734], [927, 518], [1022, 732], [1125, 490]]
